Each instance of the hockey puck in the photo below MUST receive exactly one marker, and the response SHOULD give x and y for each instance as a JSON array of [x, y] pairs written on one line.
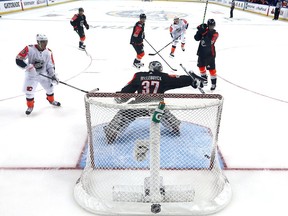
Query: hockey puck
[[155, 208]]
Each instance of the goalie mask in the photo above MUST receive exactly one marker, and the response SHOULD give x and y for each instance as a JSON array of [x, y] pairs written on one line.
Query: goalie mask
[[155, 66], [42, 41]]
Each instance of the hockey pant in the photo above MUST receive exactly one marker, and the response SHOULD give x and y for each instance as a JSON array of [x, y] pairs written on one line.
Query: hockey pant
[[31, 83], [177, 39]]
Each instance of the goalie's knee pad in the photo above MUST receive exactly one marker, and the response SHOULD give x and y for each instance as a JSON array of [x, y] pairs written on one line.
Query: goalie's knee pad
[[110, 134]]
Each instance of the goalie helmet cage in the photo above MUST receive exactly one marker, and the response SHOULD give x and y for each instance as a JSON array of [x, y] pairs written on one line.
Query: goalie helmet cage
[[169, 168]]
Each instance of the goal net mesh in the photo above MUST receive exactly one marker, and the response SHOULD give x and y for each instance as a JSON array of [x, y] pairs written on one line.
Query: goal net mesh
[[135, 166]]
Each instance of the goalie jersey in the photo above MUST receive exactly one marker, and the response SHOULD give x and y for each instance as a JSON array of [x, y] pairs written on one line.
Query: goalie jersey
[[155, 82]]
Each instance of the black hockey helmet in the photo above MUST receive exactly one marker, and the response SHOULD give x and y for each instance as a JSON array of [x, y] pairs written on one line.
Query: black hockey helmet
[[142, 16], [81, 10], [211, 22], [155, 66]]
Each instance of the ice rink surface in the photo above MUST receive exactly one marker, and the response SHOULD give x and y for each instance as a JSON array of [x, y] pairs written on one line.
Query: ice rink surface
[[39, 153]]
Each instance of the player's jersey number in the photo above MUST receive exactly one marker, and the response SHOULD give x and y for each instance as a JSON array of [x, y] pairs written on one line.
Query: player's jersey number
[[150, 87]]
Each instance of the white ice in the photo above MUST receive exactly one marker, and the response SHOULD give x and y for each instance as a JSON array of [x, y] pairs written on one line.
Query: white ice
[[39, 153]]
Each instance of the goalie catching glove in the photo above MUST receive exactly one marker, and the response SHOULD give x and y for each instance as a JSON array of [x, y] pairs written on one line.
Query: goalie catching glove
[[120, 99], [197, 81]]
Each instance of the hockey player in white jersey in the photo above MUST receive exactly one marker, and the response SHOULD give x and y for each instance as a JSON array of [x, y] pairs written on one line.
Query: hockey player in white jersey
[[177, 32], [36, 60]]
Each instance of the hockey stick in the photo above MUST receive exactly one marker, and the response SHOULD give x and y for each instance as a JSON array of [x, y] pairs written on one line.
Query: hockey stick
[[160, 55], [205, 12], [152, 54], [195, 77], [97, 89]]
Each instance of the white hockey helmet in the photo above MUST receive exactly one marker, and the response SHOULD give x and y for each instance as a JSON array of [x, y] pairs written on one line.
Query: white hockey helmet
[[176, 19], [42, 40], [155, 66]]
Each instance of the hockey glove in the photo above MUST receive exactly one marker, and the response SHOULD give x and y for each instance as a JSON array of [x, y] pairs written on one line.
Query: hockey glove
[[87, 27], [197, 84], [55, 79], [194, 84], [120, 100], [30, 68], [202, 28]]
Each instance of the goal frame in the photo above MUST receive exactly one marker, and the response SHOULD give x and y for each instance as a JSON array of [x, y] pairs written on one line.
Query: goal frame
[[94, 203]]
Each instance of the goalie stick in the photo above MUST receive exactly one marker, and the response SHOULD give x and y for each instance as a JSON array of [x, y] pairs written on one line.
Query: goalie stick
[[96, 89], [195, 77]]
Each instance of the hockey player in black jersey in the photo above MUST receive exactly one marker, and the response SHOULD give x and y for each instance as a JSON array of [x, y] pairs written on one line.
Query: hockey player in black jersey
[[78, 22], [136, 40], [152, 82], [207, 36]]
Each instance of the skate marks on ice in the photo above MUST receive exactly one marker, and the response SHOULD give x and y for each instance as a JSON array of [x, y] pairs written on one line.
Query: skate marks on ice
[[236, 19], [251, 91]]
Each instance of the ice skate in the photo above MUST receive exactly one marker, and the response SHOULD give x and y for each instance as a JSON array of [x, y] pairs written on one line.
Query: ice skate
[[138, 65], [171, 55], [204, 83], [213, 82], [29, 110], [213, 87], [55, 103], [82, 47]]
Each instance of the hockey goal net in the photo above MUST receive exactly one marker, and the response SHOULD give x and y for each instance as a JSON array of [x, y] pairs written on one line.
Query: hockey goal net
[[138, 166]]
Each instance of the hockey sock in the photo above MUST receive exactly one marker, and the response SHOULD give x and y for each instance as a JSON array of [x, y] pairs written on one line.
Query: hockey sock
[[30, 102]]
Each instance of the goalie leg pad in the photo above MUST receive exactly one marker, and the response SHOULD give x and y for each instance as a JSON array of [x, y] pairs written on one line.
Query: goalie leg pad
[[120, 122], [170, 121]]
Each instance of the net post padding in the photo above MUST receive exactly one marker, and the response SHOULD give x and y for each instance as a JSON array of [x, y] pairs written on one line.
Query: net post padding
[[185, 178]]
